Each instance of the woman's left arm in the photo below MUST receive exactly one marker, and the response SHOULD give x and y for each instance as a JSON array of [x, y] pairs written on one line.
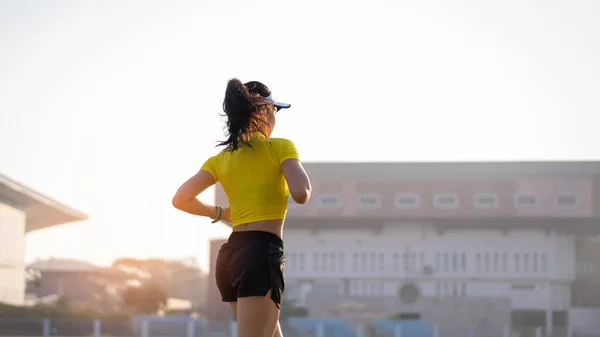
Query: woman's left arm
[[185, 198]]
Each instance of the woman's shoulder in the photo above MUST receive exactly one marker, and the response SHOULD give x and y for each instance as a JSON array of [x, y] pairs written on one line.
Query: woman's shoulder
[[282, 141]]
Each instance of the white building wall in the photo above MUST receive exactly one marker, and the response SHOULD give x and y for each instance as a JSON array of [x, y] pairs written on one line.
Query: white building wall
[[12, 255], [532, 267]]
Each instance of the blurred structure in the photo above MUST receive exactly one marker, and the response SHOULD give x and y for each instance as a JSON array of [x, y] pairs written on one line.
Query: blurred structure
[[23, 210], [488, 243], [84, 285]]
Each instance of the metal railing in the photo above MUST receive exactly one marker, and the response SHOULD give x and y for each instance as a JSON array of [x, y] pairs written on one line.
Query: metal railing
[[192, 327]]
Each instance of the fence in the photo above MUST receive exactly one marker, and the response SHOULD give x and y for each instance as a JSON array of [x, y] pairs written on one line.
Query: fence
[[295, 327]]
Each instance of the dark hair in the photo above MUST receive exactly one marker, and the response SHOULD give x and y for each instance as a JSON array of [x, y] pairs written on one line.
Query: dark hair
[[242, 105]]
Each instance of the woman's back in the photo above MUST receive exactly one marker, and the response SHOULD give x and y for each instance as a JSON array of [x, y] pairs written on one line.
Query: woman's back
[[253, 179]]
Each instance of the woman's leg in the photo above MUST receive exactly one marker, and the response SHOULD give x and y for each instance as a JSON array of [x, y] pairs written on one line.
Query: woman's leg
[[257, 316], [276, 333]]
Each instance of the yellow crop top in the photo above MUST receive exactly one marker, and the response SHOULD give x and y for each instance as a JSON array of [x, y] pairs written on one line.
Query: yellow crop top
[[252, 178]]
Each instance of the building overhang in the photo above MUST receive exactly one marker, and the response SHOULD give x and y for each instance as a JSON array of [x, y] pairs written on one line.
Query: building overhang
[[41, 211]]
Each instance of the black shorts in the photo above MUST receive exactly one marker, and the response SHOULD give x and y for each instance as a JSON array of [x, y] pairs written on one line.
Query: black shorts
[[250, 264]]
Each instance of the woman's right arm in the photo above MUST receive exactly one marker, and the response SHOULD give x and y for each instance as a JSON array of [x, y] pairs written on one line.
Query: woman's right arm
[[293, 171], [297, 180]]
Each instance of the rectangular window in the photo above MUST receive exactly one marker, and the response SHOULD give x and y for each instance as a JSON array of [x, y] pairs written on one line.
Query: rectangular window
[[330, 201], [373, 261], [455, 289], [455, 262], [566, 200], [368, 201], [485, 200], [421, 261], [544, 263], [446, 201], [505, 262], [525, 200], [342, 261], [478, 262], [333, 261], [534, 263], [315, 261], [496, 262], [293, 261], [301, 262], [464, 261], [487, 262], [463, 289], [413, 261], [396, 262], [517, 262], [407, 200], [325, 261], [405, 261], [526, 263], [446, 262], [437, 289], [438, 262], [381, 261], [365, 261], [355, 261]]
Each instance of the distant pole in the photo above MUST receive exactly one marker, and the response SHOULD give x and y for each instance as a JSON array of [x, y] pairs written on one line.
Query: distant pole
[[46, 327], [436, 331], [233, 329], [360, 330], [398, 330], [190, 328], [320, 330], [97, 328], [144, 328], [538, 331]]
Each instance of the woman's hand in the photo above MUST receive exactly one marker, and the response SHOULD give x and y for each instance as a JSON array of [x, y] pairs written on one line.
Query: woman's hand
[[226, 214]]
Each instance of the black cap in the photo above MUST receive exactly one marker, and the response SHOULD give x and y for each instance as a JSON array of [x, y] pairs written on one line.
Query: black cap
[[263, 90]]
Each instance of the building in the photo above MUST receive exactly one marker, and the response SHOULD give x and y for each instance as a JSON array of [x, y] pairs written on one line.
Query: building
[[516, 231], [84, 284], [23, 210]]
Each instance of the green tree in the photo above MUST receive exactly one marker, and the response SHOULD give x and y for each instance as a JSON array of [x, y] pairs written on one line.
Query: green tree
[[145, 299]]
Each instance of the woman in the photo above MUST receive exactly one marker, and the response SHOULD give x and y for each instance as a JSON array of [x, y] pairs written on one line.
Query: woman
[[258, 173]]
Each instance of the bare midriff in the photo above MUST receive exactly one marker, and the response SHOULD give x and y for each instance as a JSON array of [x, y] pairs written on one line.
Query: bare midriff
[[272, 226]]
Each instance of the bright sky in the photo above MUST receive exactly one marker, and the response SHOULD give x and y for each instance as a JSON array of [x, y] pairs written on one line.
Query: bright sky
[[109, 105]]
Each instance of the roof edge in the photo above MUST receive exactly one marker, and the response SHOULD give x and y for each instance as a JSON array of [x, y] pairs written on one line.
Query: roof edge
[[39, 197]]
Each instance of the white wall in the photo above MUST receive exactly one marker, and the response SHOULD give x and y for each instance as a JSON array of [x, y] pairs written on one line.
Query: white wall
[[12, 255], [530, 266], [585, 321]]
